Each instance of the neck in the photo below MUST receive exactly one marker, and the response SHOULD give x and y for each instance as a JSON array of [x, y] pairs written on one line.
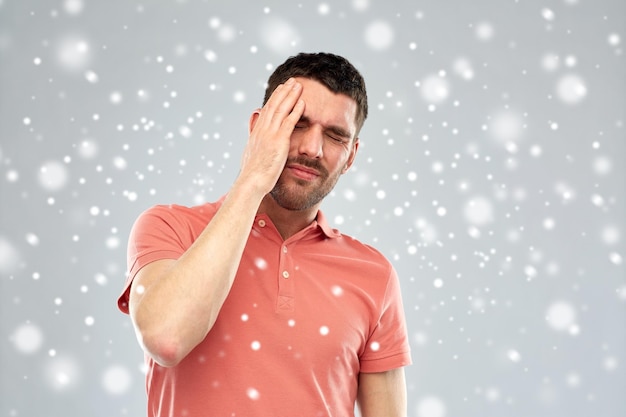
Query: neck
[[288, 222]]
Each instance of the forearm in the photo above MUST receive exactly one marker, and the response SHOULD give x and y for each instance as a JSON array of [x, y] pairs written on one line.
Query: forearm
[[175, 307], [382, 394]]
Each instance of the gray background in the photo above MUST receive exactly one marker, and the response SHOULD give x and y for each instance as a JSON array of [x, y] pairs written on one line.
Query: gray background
[[491, 173]]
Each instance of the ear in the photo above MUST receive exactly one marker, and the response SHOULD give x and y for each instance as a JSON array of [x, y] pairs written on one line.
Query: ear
[[253, 119], [354, 148]]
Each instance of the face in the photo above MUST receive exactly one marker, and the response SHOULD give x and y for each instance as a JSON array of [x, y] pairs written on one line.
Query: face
[[322, 148]]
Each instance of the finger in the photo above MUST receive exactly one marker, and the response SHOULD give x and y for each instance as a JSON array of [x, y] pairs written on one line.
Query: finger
[[285, 109], [281, 103], [289, 123], [278, 95]]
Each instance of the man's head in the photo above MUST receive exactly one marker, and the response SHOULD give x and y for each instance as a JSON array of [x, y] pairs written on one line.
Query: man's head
[[333, 71]]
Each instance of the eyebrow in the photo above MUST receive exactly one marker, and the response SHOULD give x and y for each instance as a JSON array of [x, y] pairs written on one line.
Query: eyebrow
[[333, 128]]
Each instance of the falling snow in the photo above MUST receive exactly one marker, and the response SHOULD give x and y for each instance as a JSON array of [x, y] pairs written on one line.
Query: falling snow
[[117, 380], [253, 394], [490, 171]]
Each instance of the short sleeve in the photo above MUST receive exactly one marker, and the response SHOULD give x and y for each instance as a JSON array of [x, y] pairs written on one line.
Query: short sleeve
[[388, 345], [155, 235]]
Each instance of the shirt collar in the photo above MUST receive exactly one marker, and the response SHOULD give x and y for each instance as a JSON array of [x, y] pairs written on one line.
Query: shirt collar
[[323, 224], [320, 221]]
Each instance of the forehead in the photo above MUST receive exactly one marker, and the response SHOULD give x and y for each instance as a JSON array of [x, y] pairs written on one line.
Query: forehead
[[327, 108]]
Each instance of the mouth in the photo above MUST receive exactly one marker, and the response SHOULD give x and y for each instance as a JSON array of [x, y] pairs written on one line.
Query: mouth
[[302, 172]]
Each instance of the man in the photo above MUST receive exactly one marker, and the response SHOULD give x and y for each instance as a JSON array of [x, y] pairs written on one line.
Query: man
[[253, 305]]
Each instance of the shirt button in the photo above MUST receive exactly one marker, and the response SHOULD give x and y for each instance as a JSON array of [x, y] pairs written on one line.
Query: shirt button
[[284, 249], [285, 274], [262, 223]]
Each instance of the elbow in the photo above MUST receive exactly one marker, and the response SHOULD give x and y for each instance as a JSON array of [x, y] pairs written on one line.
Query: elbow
[[158, 339], [167, 359], [164, 350], [165, 340], [165, 345]]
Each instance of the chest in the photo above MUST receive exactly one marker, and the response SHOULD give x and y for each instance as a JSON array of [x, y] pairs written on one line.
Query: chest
[[299, 303]]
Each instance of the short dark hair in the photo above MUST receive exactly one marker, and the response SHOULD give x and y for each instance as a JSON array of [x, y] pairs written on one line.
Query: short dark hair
[[333, 71]]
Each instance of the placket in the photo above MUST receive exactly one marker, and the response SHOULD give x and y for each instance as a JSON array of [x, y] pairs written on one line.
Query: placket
[[286, 283]]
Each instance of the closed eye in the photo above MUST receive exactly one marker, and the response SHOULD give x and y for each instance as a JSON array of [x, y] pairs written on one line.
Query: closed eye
[[338, 134], [335, 138]]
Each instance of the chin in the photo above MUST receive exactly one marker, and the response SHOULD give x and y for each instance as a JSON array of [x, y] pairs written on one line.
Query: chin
[[295, 201]]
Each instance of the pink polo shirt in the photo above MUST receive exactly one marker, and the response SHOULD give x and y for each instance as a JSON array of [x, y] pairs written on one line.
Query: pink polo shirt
[[303, 318]]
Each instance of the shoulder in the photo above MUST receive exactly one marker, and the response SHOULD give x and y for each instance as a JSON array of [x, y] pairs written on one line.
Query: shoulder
[[362, 253], [173, 220], [365, 249], [178, 213], [165, 210]]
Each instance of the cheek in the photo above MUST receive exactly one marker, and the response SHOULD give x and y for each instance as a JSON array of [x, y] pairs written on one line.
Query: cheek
[[340, 164], [346, 160], [292, 141]]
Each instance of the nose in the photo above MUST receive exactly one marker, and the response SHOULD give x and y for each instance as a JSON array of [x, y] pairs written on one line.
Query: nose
[[310, 142]]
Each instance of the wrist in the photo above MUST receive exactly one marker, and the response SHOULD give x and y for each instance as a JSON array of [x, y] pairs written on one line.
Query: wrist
[[250, 188]]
